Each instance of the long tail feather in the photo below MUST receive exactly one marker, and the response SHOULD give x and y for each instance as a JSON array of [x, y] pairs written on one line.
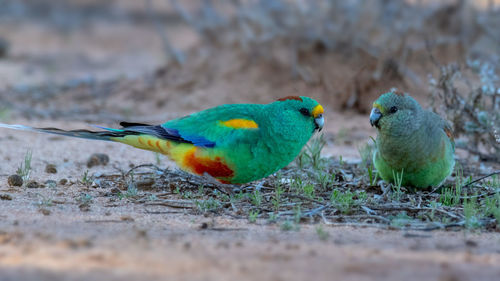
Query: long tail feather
[[85, 134]]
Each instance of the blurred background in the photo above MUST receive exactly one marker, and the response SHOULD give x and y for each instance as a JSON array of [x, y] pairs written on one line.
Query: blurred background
[[85, 211], [147, 61]]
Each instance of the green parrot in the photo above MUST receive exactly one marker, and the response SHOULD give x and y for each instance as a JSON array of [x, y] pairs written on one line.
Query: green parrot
[[412, 143], [233, 143]]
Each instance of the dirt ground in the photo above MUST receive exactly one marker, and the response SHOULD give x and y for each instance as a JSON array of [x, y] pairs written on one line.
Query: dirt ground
[[46, 235]]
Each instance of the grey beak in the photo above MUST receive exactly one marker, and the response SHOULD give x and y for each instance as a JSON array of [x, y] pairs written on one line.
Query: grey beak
[[375, 116], [319, 121]]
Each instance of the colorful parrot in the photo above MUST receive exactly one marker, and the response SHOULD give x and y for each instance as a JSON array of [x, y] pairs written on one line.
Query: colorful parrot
[[233, 143], [412, 143]]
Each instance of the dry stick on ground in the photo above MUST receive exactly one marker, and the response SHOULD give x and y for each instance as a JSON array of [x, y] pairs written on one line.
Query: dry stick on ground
[[179, 204], [158, 169], [482, 178], [414, 209]]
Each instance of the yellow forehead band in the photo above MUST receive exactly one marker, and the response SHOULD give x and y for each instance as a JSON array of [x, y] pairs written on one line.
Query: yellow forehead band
[[317, 110], [376, 105]]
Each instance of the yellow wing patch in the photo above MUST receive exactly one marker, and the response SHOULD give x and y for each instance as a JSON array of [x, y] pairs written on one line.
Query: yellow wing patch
[[240, 124]]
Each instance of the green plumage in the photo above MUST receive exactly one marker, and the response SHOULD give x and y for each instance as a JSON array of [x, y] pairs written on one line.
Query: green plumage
[[253, 153], [234, 143], [412, 141]]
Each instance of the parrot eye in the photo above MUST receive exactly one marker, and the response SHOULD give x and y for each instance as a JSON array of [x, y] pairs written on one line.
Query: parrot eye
[[393, 109], [305, 111]]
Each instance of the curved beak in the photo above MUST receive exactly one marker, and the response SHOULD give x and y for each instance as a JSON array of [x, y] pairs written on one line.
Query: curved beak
[[375, 116], [317, 113], [319, 121]]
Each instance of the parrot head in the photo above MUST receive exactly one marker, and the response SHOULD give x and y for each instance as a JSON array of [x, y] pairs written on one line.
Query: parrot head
[[395, 113], [303, 108]]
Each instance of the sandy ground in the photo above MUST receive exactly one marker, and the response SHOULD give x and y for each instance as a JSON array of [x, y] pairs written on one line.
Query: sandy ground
[[44, 235], [122, 240]]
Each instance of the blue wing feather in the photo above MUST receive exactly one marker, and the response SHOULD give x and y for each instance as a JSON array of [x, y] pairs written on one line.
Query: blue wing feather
[[162, 132]]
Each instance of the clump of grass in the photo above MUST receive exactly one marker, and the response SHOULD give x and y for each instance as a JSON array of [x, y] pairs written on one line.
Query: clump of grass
[[209, 205], [131, 190], [366, 153], [492, 207], [322, 233], [256, 198], [252, 216], [85, 198], [5, 113], [398, 181], [86, 179], [493, 182], [401, 220], [372, 175], [344, 201], [24, 169], [273, 217], [276, 199], [44, 200], [289, 225], [472, 213], [451, 196], [311, 154], [152, 197], [84, 201], [157, 158]]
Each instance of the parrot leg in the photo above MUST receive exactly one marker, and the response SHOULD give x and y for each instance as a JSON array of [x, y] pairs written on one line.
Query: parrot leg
[[227, 188]]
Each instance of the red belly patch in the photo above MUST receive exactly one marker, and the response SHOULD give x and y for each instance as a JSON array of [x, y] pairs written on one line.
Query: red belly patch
[[201, 165]]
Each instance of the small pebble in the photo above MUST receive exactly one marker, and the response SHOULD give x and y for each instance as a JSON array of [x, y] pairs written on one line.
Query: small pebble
[[51, 169], [146, 184], [51, 183], [115, 190], [63, 181], [5, 197], [15, 180], [44, 211], [33, 184], [97, 159], [127, 218], [84, 207]]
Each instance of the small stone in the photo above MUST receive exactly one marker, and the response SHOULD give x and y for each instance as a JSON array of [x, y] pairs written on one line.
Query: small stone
[[84, 207], [33, 184], [45, 212], [470, 243], [15, 180], [51, 183], [63, 181], [77, 243], [127, 218], [146, 184], [115, 190], [5, 197], [51, 169], [97, 159]]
